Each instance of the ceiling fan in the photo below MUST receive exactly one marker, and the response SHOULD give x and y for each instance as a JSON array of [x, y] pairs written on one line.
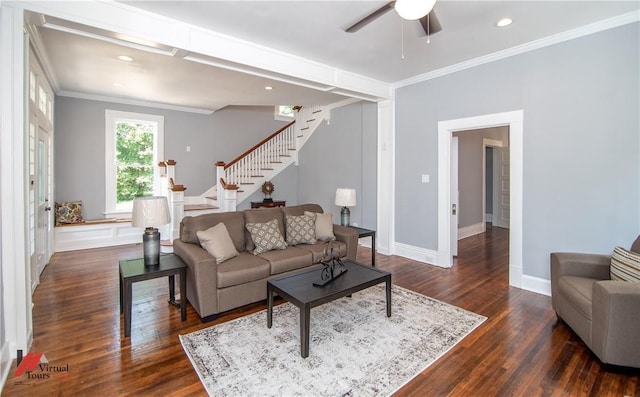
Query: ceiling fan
[[429, 22]]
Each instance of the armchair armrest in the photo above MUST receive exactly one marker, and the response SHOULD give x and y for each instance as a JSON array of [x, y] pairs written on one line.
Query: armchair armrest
[[616, 322], [349, 236], [581, 265], [202, 277]]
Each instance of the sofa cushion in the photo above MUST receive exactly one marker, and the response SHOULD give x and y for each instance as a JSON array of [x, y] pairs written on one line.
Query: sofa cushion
[[262, 215], [324, 225], [291, 258], [234, 222], [300, 229], [242, 269], [578, 291], [625, 265], [217, 242], [266, 236], [317, 249]]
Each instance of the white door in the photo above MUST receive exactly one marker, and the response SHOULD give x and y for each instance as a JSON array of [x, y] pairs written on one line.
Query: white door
[[40, 170], [501, 187], [454, 196]]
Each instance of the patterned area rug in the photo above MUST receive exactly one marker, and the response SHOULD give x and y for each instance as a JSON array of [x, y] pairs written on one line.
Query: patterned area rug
[[355, 349]]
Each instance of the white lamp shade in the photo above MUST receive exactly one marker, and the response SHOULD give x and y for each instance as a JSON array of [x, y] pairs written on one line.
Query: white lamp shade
[[346, 197], [414, 9], [150, 212]]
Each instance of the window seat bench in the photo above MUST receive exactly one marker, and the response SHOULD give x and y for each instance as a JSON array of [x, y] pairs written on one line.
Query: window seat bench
[[95, 234]]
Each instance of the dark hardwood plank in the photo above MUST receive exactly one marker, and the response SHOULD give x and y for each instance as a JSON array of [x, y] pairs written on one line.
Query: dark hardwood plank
[[521, 350]]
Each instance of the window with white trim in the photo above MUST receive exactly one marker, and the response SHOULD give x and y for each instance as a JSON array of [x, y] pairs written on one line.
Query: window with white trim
[[284, 113], [133, 148]]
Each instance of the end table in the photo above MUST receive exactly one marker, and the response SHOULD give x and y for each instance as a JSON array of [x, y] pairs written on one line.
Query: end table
[[362, 232], [134, 270]]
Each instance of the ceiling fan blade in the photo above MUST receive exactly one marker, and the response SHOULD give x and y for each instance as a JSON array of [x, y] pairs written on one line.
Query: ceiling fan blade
[[371, 17], [433, 26]]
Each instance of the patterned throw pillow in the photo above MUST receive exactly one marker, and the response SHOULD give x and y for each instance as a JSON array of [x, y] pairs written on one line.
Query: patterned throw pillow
[[266, 236], [69, 212], [300, 230], [625, 265]]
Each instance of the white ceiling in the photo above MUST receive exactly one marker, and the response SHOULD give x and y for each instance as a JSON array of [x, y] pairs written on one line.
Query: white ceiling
[[85, 66]]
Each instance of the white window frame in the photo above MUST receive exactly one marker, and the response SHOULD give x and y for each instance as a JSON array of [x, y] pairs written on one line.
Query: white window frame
[[111, 118]]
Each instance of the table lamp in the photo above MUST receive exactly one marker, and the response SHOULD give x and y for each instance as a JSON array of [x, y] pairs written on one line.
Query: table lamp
[[150, 212], [345, 198]]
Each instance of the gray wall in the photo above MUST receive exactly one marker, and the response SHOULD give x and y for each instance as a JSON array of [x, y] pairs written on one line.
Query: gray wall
[[79, 145], [342, 154], [581, 164], [285, 188], [470, 153]]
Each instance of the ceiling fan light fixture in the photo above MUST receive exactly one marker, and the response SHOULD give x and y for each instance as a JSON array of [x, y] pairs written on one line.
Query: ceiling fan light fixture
[[414, 9]]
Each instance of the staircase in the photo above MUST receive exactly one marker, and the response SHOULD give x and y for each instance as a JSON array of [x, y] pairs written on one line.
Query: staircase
[[243, 176]]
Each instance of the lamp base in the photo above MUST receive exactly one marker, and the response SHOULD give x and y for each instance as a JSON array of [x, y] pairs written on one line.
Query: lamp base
[[151, 246], [345, 214]]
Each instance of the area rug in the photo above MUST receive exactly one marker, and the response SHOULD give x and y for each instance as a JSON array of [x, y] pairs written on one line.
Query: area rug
[[355, 349]]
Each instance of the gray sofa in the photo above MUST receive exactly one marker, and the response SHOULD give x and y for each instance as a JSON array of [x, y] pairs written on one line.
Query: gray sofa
[[604, 313], [213, 288]]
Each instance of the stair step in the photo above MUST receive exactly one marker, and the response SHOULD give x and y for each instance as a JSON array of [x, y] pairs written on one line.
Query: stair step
[[267, 169], [304, 128], [275, 162], [291, 148], [257, 176], [285, 155], [247, 183], [212, 197], [308, 121], [196, 207], [317, 111], [299, 136]]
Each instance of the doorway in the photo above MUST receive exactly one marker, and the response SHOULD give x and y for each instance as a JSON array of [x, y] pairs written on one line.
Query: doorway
[[514, 120]]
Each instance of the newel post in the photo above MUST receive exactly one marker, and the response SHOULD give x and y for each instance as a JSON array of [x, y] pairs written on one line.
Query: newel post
[[220, 176]]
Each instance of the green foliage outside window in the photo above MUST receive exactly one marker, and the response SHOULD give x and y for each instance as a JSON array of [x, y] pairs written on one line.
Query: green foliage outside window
[[286, 110], [134, 161]]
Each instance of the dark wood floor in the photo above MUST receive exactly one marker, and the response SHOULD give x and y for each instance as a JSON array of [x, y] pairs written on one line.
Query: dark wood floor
[[520, 350]]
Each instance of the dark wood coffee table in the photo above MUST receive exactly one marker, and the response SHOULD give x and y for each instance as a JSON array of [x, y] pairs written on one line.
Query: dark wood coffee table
[[298, 289]]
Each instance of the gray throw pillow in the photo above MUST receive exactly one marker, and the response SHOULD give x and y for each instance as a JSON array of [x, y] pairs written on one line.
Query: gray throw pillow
[[324, 225], [266, 236]]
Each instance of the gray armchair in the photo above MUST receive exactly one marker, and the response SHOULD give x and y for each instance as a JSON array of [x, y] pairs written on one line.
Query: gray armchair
[[604, 313]]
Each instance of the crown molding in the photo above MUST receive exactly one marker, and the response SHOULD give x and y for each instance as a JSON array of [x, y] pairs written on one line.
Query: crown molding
[[582, 31], [135, 102]]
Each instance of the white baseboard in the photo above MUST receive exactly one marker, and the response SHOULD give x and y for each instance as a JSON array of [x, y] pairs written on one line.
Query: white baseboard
[[365, 242], [5, 363], [416, 253], [470, 230], [77, 237], [536, 284]]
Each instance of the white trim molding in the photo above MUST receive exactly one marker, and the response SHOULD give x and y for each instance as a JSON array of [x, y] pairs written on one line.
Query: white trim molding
[[419, 254], [513, 119], [385, 212], [536, 284], [471, 230]]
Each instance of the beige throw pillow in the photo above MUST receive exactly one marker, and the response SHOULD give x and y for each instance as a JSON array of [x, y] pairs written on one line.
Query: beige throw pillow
[[324, 225], [217, 242], [266, 236]]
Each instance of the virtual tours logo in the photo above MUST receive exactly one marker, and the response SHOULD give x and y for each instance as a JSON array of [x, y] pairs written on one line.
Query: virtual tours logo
[[35, 366]]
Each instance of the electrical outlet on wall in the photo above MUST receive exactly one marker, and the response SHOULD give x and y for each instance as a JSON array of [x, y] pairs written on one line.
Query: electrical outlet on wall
[[425, 178]]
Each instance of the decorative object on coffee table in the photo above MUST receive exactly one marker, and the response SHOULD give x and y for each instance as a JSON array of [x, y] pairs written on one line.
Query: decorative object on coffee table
[[332, 265], [267, 190], [150, 212], [345, 198]]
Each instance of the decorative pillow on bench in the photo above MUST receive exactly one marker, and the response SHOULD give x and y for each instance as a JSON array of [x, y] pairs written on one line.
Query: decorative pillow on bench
[[300, 229], [68, 213], [625, 265], [217, 242], [266, 236], [324, 225]]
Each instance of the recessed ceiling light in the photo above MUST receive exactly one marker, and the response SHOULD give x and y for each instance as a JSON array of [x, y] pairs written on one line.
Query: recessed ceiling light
[[268, 88], [118, 84], [504, 22], [125, 58]]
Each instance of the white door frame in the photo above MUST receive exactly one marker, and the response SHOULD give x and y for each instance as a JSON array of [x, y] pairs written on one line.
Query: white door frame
[[486, 142], [514, 120]]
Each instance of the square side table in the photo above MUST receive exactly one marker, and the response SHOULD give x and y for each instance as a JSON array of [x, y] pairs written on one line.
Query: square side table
[[362, 232], [134, 270]]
